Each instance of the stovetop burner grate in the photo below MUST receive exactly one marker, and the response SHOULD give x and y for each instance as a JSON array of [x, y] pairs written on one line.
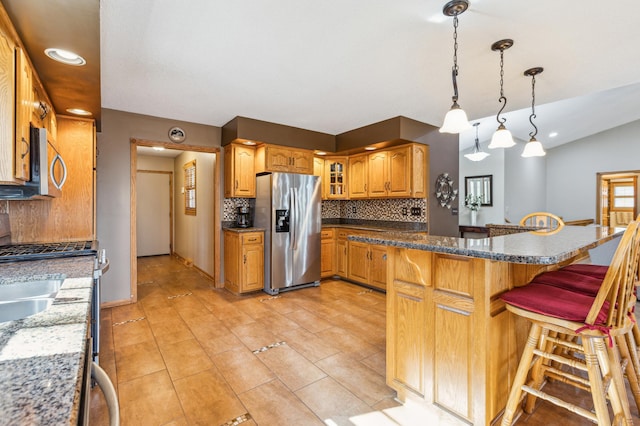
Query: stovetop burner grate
[[16, 252]]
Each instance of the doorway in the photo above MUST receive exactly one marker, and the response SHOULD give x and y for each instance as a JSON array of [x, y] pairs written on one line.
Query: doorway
[[618, 197], [154, 213], [208, 240]]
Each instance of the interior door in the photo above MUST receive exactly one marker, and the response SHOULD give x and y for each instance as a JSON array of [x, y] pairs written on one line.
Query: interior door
[[153, 213]]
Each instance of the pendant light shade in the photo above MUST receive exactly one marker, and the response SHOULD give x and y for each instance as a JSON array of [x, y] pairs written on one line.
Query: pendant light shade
[[502, 137], [477, 154], [456, 119], [533, 148]]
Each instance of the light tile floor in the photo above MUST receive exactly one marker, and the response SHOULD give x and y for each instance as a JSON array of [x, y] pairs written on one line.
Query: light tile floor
[[188, 354]]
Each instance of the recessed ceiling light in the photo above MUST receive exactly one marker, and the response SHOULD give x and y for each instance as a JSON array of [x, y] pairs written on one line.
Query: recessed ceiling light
[[369, 148], [78, 111], [321, 153], [158, 148], [65, 56], [249, 143], [553, 134]]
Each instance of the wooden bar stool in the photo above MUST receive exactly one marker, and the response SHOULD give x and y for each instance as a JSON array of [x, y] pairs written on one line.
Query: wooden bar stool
[[548, 223], [588, 281], [593, 324]]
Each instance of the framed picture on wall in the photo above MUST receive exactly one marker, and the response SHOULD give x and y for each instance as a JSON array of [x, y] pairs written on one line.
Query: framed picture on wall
[[481, 186]]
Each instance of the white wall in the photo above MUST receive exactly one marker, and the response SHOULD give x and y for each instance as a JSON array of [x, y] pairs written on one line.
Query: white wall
[[572, 168], [525, 184], [563, 182], [194, 234], [148, 162], [492, 165]]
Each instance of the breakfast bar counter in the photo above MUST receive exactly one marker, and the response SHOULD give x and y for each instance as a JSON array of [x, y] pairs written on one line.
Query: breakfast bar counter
[[450, 339]]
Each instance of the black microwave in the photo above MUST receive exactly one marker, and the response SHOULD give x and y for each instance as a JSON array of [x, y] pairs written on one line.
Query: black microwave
[[48, 171]]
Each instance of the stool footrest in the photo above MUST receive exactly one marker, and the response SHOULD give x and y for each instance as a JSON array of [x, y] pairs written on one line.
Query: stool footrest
[[562, 360], [557, 401]]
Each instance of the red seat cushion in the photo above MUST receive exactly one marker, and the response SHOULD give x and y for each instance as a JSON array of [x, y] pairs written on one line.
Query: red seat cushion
[[554, 301], [597, 271], [568, 280]]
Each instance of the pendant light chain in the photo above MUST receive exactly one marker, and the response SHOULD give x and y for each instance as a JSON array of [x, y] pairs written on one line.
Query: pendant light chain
[[503, 99], [455, 121], [454, 71], [533, 106]]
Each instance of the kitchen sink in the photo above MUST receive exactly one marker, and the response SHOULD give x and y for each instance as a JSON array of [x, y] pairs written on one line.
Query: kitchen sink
[[29, 289], [18, 309]]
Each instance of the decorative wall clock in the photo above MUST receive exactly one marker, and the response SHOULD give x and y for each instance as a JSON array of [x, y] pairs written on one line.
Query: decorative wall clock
[[176, 134], [445, 192]]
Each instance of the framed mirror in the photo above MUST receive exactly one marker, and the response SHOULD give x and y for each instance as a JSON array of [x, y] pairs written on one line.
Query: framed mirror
[[481, 186]]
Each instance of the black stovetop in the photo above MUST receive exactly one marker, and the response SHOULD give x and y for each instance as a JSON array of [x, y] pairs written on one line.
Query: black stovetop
[[38, 251]]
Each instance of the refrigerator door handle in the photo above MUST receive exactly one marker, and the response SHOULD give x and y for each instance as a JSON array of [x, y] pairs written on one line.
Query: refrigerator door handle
[[292, 218]]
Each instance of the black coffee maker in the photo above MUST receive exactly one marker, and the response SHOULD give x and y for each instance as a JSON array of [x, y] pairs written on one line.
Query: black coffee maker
[[243, 219]]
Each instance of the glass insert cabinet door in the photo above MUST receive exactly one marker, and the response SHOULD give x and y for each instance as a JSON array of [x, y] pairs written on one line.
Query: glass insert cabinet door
[[481, 186], [336, 177]]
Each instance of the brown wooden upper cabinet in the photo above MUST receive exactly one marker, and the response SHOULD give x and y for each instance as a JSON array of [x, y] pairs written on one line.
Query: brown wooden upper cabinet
[[7, 105], [239, 171], [399, 172], [273, 158], [318, 170], [24, 111], [335, 178], [358, 176]]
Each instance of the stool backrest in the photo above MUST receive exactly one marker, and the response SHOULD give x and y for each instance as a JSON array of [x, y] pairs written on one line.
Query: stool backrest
[[616, 293], [547, 222]]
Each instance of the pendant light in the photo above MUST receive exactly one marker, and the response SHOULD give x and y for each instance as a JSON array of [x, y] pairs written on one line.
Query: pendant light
[[533, 148], [477, 154], [501, 137], [456, 119]]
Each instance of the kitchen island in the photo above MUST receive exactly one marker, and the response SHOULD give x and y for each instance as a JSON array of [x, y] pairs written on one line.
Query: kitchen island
[[42, 356], [450, 339]]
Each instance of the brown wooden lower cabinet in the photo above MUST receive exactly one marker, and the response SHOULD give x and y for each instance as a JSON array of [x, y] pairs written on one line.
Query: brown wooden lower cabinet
[[360, 262], [367, 264], [243, 261], [450, 339], [342, 253], [328, 253]]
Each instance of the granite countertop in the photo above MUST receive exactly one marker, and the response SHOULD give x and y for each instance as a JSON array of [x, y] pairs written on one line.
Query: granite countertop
[[525, 247], [377, 225], [241, 230], [42, 356]]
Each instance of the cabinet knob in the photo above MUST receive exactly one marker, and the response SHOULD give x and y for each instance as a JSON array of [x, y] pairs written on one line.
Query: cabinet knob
[[384, 256], [236, 184], [245, 259]]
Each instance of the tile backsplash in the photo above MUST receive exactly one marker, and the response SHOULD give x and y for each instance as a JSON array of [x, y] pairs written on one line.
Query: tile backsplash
[[229, 212], [383, 209]]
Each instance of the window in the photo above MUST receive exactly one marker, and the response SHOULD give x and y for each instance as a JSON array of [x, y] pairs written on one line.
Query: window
[[623, 196], [190, 188]]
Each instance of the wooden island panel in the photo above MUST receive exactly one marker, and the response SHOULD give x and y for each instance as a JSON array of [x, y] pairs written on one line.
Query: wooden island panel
[[451, 340]]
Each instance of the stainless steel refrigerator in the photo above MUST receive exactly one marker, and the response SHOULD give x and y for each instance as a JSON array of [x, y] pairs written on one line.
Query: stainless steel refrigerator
[[288, 208]]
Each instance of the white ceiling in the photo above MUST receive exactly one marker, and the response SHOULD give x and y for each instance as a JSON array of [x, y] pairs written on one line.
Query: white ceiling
[[336, 65]]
